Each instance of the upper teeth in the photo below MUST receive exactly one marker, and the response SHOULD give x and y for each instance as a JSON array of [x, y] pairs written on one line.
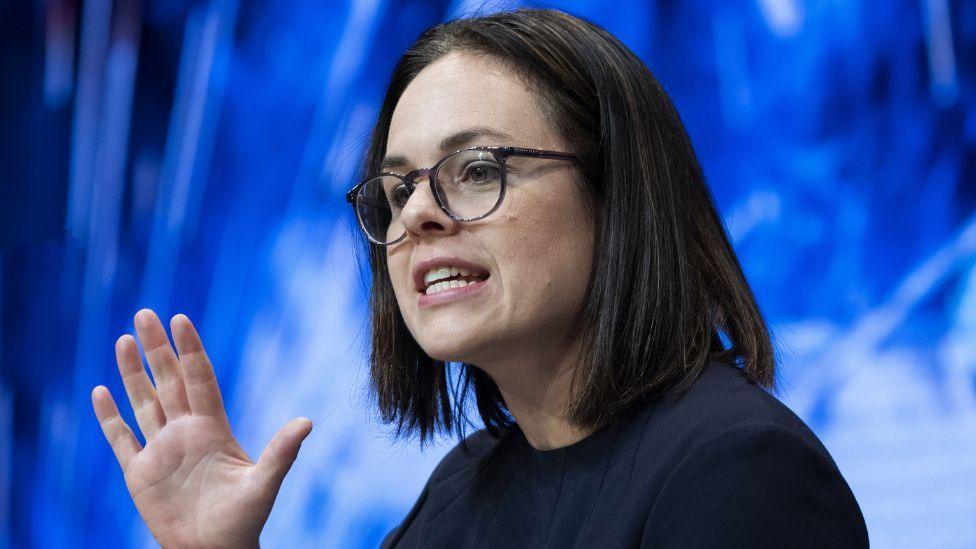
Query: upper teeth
[[439, 273], [435, 279]]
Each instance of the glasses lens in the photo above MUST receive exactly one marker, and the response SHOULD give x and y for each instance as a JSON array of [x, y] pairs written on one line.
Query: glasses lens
[[378, 206], [470, 183]]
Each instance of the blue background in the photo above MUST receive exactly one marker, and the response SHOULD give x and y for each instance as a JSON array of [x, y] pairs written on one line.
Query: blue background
[[191, 156]]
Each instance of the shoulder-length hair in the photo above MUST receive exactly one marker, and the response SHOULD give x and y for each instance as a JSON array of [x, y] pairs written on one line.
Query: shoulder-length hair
[[666, 293]]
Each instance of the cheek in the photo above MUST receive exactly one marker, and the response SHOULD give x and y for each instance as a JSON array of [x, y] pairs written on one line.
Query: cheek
[[549, 260], [398, 271]]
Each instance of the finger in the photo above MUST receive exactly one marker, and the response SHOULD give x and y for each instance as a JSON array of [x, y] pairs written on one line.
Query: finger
[[279, 455], [116, 431], [202, 390], [142, 394], [163, 363]]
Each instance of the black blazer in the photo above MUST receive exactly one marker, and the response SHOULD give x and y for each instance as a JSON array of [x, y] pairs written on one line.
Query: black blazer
[[726, 465]]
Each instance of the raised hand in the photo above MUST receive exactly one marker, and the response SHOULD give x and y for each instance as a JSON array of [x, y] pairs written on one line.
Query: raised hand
[[192, 483]]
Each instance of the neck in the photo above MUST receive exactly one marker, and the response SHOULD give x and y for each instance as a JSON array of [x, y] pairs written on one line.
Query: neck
[[536, 389]]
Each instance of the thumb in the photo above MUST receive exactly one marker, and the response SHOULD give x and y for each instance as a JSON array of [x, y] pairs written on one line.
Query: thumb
[[279, 455]]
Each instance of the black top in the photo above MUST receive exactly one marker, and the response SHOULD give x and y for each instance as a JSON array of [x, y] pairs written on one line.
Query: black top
[[726, 465]]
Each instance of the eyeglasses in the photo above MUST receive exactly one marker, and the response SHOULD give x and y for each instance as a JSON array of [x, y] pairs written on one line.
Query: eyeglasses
[[467, 185]]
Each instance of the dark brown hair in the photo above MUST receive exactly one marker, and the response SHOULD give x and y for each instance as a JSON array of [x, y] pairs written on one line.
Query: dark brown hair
[[666, 292]]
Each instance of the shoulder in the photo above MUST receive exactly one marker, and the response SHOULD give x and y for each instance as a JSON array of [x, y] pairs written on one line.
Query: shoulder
[[732, 465], [475, 449], [455, 469], [723, 399], [756, 485]]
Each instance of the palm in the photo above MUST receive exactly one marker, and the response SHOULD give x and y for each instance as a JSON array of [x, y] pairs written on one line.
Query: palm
[[189, 478], [192, 483]]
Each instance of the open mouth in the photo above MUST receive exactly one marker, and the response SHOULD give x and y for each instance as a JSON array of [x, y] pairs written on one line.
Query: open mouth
[[455, 278]]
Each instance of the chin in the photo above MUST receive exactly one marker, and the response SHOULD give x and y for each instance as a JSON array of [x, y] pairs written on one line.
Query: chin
[[446, 351], [451, 345]]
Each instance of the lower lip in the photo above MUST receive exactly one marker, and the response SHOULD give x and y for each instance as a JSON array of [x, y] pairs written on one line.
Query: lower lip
[[452, 294]]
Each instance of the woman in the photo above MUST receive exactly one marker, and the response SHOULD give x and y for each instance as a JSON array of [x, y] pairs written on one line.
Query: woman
[[535, 216]]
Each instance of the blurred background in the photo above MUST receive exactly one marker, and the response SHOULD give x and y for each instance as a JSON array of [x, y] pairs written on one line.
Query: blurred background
[[191, 156]]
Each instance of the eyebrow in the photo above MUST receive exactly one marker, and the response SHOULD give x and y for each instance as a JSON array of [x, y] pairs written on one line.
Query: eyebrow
[[453, 142]]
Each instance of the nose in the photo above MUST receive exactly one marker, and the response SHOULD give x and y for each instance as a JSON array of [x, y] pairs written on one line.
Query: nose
[[422, 217]]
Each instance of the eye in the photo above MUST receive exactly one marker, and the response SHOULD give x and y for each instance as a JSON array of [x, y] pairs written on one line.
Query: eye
[[480, 172], [399, 196]]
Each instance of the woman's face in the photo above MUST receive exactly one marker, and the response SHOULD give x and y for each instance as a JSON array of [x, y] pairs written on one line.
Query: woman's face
[[533, 253]]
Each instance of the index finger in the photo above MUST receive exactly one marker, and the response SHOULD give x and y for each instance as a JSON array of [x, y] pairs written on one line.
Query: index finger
[[202, 390]]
